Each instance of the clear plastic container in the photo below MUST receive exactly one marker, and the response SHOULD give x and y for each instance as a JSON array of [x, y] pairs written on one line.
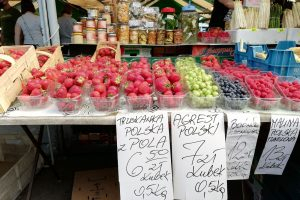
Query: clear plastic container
[[202, 102], [166, 101], [260, 103], [288, 102], [160, 38], [34, 102], [105, 104], [189, 23], [134, 36], [143, 36], [152, 36], [123, 33], [69, 106], [178, 36], [139, 102], [169, 37]]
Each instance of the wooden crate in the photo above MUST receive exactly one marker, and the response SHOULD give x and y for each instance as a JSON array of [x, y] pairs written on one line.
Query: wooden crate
[[55, 58], [11, 80], [103, 45], [16, 163]]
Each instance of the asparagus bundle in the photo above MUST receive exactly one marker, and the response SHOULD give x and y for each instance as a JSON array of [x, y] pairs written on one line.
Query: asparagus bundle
[[296, 15], [288, 19], [251, 15], [276, 12], [238, 18], [264, 14]]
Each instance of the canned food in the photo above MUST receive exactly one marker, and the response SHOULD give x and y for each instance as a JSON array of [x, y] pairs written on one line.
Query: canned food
[[91, 36], [102, 35], [77, 38], [101, 23], [90, 23], [77, 27]]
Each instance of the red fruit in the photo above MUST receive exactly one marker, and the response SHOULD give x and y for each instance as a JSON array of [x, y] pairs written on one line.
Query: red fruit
[[61, 78], [146, 73], [162, 84], [159, 73], [75, 89], [113, 88], [95, 94], [144, 88], [179, 94], [79, 80], [97, 81], [111, 93], [116, 79], [129, 86], [75, 95], [69, 82], [174, 77], [36, 92], [168, 93], [131, 76], [137, 83], [100, 88], [177, 87], [45, 84], [61, 92], [149, 80], [139, 78]]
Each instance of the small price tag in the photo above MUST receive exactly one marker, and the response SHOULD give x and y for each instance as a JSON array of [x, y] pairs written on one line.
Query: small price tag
[[254, 29], [280, 30]]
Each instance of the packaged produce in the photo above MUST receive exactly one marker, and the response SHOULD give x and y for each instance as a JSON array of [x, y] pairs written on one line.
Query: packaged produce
[[134, 36], [151, 36], [123, 33], [112, 28], [161, 34], [123, 11], [143, 36], [102, 35], [135, 9], [101, 23], [169, 18], [150, 14], [169, 37], [189, 22], [178, 36]]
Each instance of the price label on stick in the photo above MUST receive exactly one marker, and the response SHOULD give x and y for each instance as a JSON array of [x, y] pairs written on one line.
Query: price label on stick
[[199, 158], [144, 159], [242, 134], [281, 140]]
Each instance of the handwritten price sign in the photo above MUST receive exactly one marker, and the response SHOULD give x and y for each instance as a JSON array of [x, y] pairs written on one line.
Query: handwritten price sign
[[282, 137], [199, 158], [242, 134], [144, 156]]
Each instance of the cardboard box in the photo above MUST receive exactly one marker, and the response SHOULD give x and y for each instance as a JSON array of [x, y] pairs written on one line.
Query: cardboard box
[[99, 184]]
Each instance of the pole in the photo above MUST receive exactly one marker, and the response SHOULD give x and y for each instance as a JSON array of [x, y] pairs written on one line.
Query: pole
[[44, 21], [52, 20]]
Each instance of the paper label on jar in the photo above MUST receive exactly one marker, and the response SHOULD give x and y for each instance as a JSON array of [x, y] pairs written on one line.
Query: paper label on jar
[[170, 17], [134, 23], [148, 10]]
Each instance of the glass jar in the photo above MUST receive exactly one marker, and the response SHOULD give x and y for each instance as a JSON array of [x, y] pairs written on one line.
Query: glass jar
[[102, 35], [123, 11], [112, 37], [143, 36], [101, 23], [107, 16], [83, 21], [90, 23], [91, 37], [161, 34], [134, 36], [112, 28], [77, 38], [152, 36], [169, 18], [189, 22], [123, 33], [178, 36], [169, 37], [77, 27]]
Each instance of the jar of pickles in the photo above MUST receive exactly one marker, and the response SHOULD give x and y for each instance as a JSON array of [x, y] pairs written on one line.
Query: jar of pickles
[[143, 36], [189, 23], [134, 36], [152, 36], [169, 18], [101, 23], [178, 36], [160, 36], [169, 37], [112, 37], [123, 11], [123, 33]]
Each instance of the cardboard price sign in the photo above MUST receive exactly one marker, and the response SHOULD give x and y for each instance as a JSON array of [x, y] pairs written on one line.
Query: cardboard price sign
[[144, 156], [242, 134], [281, 140], [199, 158]]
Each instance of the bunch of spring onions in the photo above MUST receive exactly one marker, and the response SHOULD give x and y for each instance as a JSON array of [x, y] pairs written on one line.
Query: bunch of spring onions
[[276, 12], [238, 18], [264, 14]]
